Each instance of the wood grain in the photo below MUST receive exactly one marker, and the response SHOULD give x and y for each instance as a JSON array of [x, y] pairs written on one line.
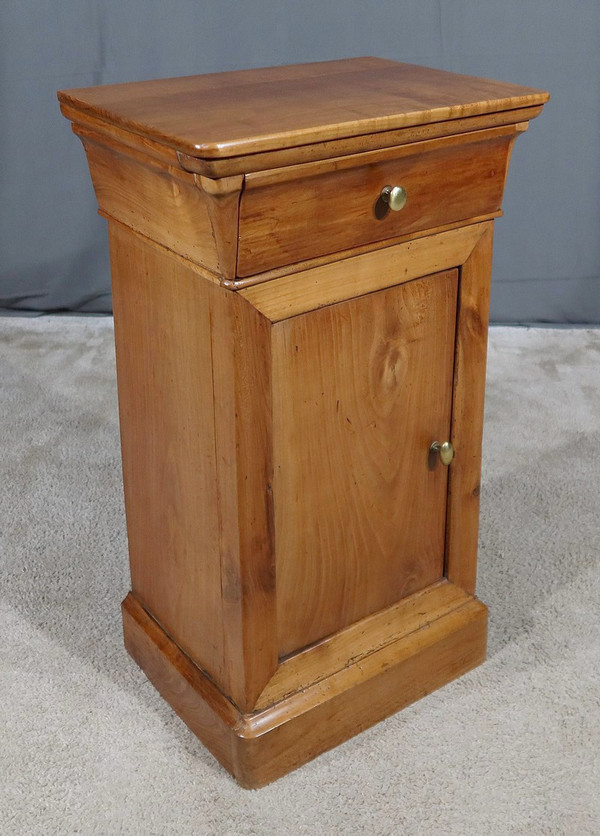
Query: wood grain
[[228, 166], [312, 168], [222, 200], [351, 645], [292, 214], [352, 277], [160, 201], [87, 124], [298, 730], [467, 414], [302, 266], [188, 690], [359, 517], [324, 694], [257, 748], [230, 114], [243, 428], [193, 367], [286, 355], [163, 343]]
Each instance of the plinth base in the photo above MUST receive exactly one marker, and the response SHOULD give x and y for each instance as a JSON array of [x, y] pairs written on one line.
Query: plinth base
[[327, 693]]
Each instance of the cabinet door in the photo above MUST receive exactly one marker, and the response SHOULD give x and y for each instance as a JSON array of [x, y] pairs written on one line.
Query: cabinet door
[[360, 391]]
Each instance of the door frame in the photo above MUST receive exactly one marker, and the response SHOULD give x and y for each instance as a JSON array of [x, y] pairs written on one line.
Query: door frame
[[256, 677]]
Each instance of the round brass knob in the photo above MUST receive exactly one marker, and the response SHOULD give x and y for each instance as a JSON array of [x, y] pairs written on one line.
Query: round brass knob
[[394, 196], [445, 451]]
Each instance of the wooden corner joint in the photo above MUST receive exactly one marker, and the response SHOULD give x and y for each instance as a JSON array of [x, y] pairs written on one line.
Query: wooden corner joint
[[222, 203], [222, 187], [189, 163]]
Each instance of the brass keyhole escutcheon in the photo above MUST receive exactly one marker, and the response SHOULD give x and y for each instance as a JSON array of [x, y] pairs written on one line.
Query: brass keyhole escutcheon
[[445, 451]]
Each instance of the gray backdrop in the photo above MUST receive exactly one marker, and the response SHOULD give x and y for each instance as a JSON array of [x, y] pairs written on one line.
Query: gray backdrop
[[53, 247]]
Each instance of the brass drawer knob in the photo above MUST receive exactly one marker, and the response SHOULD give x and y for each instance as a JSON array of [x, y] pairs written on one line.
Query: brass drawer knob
[[445, 451], [394, 196]]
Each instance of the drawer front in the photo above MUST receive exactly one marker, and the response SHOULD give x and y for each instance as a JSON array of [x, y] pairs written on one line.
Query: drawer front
[[296, 214]]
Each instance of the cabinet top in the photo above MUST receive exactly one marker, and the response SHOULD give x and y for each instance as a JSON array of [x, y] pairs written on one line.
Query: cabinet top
[[224, 115]]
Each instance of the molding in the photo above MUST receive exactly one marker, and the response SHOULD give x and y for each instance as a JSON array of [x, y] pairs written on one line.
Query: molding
[[310, 289], [261, 746]]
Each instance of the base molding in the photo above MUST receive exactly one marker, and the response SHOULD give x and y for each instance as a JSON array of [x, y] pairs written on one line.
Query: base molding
[[259, 747]]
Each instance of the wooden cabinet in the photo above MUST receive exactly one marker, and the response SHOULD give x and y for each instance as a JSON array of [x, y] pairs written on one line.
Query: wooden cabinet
[[293, 339]]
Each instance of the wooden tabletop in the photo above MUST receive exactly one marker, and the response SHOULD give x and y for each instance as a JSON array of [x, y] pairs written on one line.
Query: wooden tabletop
[[244, 112]]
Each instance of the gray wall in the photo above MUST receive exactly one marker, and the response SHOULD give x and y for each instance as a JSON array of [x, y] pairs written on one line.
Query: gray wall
[[53, 248]]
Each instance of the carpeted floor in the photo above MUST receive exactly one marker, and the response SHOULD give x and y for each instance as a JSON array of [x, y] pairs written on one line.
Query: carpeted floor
[[86, 744]]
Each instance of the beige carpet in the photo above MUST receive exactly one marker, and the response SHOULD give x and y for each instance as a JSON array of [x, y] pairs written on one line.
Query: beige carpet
[[87, 746]]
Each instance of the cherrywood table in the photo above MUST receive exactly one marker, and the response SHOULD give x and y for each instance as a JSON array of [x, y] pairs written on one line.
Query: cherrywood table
[[301, 268]]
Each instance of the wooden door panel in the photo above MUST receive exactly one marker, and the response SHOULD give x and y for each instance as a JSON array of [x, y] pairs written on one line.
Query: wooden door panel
[[360, 390]]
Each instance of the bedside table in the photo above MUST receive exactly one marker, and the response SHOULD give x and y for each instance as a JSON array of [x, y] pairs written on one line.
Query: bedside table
[[301, 268]]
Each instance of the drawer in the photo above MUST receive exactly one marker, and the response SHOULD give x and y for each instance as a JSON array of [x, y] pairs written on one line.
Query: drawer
[[302, 212]]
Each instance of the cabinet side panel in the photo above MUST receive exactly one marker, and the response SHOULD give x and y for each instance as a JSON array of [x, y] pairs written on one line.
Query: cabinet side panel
[[360, 391], [467, 414], [164, 371], [154, 199]]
